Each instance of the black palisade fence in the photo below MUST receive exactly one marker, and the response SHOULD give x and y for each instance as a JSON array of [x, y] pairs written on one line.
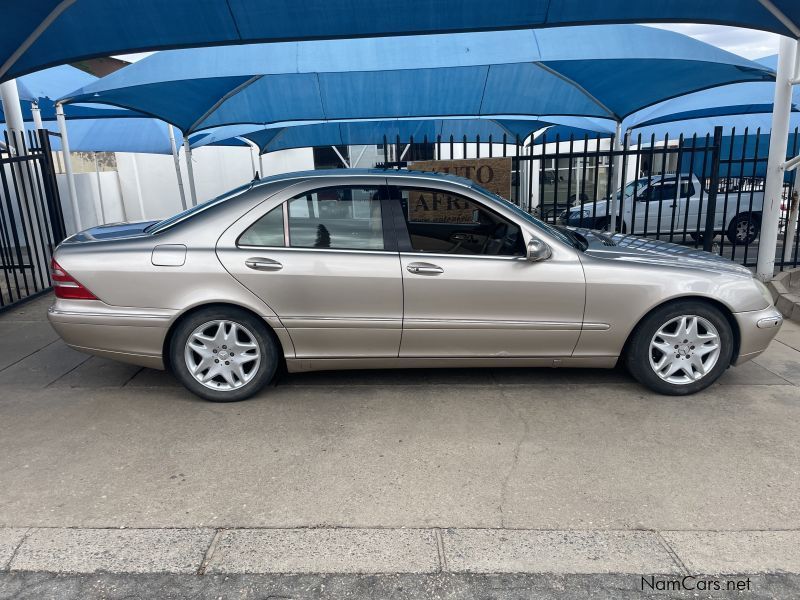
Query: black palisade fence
[[31, 220], [703, 191]]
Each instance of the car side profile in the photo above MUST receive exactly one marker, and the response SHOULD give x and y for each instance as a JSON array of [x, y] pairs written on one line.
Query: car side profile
[[356, 269]]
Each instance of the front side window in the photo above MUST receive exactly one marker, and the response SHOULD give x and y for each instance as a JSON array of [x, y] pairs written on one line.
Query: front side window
[[267, 231], [343, 218], [446, 223], [667, 191]]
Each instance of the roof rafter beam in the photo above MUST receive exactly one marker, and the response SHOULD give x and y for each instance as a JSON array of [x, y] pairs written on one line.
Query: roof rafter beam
[[581, 89], [222, 100], [778, 14], [35, 34]]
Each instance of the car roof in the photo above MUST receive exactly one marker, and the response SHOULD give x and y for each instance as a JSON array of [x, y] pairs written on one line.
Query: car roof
[[388, 173]]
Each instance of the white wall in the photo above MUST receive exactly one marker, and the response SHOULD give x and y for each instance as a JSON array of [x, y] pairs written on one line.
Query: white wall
[[286, 161], [89, 194]]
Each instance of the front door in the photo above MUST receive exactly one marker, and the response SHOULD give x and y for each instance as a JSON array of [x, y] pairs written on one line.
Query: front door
[[469, 290], [321, 261], [658, 208]]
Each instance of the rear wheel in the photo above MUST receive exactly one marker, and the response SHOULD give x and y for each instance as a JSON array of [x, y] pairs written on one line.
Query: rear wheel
[[223, 354], [680, 348], [744, 229]]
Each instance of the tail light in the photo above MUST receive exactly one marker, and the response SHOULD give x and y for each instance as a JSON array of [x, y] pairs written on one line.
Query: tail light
[[66, 286]]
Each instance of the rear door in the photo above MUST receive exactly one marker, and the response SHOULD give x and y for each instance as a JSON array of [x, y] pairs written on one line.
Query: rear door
[[469, 290], [326, 263]]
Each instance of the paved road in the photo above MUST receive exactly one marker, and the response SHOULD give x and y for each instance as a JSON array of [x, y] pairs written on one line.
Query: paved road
[[588, 462]]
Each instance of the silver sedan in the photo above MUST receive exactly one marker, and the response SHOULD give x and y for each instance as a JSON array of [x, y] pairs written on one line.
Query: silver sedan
[[358, 269]]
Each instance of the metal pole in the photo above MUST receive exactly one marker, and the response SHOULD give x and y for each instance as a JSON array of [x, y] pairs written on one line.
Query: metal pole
[[99, 188], [71, 190], [252, 160], [177, 162], [12, 109], [37, 116], [778, 140], [612, 205], [187, 149], [711, 202], [341, 158], [791, 228], [139, 196]]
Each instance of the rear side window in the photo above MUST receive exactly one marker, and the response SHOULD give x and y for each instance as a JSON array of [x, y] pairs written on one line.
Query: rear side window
[[267, 231], [339, 218]]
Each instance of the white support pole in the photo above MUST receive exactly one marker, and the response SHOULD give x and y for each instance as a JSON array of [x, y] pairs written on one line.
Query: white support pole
[[260, 163], [341, 158], [187, 154], [612, 205], [12, 110], [71, 190], [139, 195], [778, 141], [252, 160], [37, 116], [177, 161], [99, 189]]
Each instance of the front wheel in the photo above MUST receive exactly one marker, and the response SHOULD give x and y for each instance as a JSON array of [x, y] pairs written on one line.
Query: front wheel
[[744, 229], [223, 354], [680, 348]]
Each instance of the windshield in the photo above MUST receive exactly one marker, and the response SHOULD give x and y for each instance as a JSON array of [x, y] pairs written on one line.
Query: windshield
[[528, 217], [169, 221], [637, 184]]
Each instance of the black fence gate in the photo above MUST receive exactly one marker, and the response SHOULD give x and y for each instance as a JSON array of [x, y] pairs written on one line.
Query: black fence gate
[[31, 221], [704, 191]]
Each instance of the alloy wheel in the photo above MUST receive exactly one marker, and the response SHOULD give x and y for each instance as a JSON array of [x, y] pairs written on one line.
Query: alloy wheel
[[745, 230], [222, 355], [684, 349]]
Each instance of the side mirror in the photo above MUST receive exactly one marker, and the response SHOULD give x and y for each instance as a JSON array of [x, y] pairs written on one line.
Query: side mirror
[[538, 251]]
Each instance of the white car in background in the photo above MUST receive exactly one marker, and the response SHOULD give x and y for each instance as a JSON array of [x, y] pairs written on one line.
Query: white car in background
[[675, 203]]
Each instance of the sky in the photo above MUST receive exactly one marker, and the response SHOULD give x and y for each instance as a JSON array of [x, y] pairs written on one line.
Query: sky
[[744, 42]]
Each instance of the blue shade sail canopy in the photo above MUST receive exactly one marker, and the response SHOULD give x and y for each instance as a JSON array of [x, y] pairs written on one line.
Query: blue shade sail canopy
[[749, 98], [604, 72], [43, 33], [111, 135], [355, 133], [45, 87]]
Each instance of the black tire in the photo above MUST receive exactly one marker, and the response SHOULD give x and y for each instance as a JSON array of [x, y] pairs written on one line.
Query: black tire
[[601, 225], [638, 352], [267, 347], [744, 229]]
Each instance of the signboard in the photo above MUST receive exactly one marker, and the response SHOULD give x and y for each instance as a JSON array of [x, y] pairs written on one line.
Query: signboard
[[428, 206], [494, 174]]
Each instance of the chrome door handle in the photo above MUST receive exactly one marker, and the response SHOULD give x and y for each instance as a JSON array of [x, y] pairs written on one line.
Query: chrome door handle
[[424, 269], [263, 264]]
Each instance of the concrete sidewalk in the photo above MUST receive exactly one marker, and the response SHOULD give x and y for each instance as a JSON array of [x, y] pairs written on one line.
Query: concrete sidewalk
[[445, 474], [375, 551]]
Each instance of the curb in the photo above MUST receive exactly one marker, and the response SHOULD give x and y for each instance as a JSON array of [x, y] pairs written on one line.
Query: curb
[[781, 287], [384, 551]]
